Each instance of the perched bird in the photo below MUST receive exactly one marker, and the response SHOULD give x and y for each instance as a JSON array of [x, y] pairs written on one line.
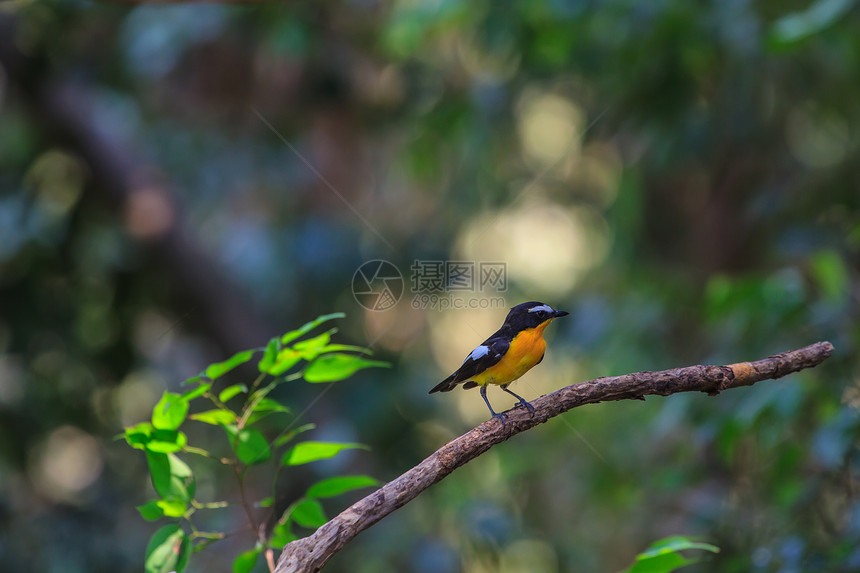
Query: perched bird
[[508, 354]]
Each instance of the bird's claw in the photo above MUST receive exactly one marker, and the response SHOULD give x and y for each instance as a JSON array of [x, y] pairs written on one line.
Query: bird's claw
[[529, 407], [501, 416]]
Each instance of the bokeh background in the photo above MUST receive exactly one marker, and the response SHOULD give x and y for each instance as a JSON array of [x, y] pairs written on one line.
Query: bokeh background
[[179, 182]]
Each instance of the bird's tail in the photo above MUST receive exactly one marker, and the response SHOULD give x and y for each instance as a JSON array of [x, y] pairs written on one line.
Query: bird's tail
[[445, 385]]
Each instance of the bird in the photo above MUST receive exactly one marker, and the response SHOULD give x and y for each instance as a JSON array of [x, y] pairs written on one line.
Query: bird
[[506, 355]]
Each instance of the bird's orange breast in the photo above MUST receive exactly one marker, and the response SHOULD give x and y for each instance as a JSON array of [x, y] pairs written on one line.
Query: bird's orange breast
[[525, 350]]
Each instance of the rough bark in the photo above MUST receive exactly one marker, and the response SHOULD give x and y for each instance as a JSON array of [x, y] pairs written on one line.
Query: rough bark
[[311, 553]]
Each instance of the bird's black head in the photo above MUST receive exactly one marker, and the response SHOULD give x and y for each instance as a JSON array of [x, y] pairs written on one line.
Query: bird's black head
[[531, 314]]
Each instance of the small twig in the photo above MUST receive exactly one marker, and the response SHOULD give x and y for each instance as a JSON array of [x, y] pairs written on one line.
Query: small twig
[[205, 454], [252, 404], [213, 535], [210, 505], [245, 505], [311, 553], [216, 401], [257, 382]]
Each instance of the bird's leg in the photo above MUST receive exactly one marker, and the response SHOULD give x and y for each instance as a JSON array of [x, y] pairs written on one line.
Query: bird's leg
[[493, 412], [521, 399]]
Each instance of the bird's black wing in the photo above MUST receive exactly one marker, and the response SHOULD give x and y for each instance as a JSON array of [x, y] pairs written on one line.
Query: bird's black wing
[[478, 361]]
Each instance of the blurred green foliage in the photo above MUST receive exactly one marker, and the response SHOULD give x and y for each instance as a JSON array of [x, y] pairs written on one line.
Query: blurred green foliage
[[677, 175]]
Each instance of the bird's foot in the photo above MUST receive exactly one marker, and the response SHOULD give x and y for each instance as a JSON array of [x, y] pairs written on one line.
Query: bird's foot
[[501, 416], [528, 407]]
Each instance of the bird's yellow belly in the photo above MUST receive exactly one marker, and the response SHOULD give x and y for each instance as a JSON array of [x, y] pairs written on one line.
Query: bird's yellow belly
[[525, 350]]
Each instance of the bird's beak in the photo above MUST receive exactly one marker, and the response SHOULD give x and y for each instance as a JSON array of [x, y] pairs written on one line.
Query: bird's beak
[[559, 313]]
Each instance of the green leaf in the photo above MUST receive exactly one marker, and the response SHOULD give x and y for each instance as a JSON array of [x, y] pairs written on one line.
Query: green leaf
[[192, 380], [231, 391], [170, 412], [678, 543], [346, 348], [315, 342], [663, 556], [171, 477], [166, 441], [308, 513], [138, 436], [286, 359], [172, 507], [150, 510], [215, 371], [281, 535], [215, 417], [269, 355], [305, 328], [199, 391], [292, 434], [313, 347], [337, 366], [266, 502], [306, 452], [341, 484], [265, 407], [168, 550], [663, 563], [249, 444], [244, 562]]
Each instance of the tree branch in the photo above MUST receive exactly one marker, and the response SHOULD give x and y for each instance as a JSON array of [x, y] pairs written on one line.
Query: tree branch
[[311, 553]]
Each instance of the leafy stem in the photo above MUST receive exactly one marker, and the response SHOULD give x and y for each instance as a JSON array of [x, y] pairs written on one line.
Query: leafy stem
[[252, 404], [165, 445]]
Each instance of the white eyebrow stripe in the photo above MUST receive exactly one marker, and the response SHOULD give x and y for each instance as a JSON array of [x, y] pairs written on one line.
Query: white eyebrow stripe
[[478, 352], [545, 307]]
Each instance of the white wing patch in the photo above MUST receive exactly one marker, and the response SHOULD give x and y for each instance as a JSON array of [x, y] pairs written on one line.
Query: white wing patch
[[545, 307], [478, 352]]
